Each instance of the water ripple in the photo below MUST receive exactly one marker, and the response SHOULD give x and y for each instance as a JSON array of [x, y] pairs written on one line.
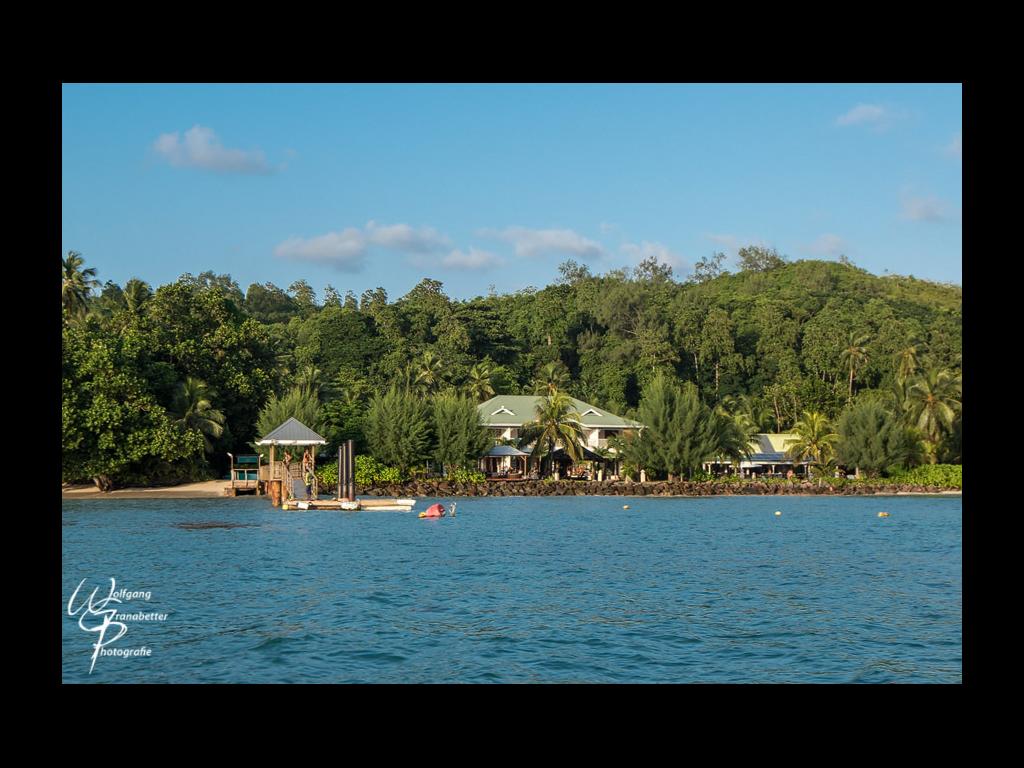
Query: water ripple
[[567, 589]]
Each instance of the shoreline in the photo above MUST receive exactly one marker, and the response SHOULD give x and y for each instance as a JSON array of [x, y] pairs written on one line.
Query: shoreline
[[214, 489]]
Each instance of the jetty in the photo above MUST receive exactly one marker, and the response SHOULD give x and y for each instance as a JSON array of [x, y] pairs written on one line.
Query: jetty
[[284, 480], [365, 505]]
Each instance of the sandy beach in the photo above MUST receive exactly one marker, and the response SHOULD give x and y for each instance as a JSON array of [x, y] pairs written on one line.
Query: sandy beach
[[211, 489]]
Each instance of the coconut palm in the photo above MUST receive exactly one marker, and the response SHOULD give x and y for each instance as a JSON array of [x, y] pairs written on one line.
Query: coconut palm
[[479, 383], [908, 358], [192, 408], [427, 372], [77, 284], [136, 294], [551, 378], [310, 380], [557, 421], [856, 354], [732, 436], [935, 399], [815, 441]]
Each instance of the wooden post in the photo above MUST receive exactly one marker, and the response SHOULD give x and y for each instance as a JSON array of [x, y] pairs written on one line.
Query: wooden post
[[275, 493], [350, 470], [273, 467], [341, 473]]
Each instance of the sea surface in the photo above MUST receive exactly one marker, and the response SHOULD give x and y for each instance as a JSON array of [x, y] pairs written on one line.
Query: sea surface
[[518, 590]]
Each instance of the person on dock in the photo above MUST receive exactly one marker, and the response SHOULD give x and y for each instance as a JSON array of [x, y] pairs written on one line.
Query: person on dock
[[309, 483]]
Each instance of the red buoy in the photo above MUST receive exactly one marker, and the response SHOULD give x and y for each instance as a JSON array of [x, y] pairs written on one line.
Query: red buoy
[[434, 510]]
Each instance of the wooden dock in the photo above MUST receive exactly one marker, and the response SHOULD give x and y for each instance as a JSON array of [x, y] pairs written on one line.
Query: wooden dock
[[365, 505]]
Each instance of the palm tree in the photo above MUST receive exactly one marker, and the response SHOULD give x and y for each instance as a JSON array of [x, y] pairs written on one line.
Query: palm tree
[[428, 372], [479, 383], [310, 381], [76, 284], [934, 402], [136, 294], [557, 422], [907, 359], [551, 378], [815, 440], [192, 409], [856, 354]]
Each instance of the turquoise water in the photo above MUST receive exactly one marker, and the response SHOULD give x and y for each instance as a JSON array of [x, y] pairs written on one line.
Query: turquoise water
[[571, 589]]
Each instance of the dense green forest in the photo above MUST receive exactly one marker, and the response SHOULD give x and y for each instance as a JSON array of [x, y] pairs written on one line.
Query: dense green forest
[[159, 384]]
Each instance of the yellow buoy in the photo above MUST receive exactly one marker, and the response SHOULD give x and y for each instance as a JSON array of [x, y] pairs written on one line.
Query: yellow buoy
[[625, 506], [883, 514], [777, 513]]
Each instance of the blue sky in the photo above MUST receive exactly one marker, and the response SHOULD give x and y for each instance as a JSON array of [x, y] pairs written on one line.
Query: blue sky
[[360, 186]]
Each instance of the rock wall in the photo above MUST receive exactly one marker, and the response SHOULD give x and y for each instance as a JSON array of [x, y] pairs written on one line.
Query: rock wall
[[443, 488]]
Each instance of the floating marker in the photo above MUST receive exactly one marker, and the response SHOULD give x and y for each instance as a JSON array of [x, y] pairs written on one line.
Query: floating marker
[[883, 514], [625, 506], [777, 513]]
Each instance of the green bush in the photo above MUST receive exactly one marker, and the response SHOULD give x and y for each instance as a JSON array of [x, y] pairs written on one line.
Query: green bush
[[466, 476], [327, 476], [369, 471], [942, 475]]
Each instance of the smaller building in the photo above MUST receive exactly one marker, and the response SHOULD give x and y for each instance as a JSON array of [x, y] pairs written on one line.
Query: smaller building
[[767, 457]]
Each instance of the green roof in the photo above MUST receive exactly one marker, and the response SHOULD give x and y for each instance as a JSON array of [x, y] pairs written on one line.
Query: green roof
[[516, 410]]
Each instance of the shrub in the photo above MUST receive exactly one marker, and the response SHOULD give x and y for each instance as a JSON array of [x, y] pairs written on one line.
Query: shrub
[[369, 471], [942, 475], [466, 476]]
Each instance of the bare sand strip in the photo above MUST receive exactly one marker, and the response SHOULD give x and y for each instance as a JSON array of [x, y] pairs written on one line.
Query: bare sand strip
[[211, 489]]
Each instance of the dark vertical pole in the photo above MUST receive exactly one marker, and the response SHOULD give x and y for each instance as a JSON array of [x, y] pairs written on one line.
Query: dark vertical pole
[[341, 473], [350, 457]]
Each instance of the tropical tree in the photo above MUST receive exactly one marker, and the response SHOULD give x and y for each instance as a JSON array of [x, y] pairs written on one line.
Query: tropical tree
[[681, 432], [557, 421], [872, 438], [112, 425], [934, 399], [855, 354], [907, 359], [460, 436], [427, 373], [551, 378], [192, 408], [136, 294], [815, 441], [310, 380], [77, 284], [297, 404], [397, 428], [479, 385]]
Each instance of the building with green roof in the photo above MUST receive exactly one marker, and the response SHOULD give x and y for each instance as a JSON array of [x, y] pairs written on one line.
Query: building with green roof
[[505, 416]]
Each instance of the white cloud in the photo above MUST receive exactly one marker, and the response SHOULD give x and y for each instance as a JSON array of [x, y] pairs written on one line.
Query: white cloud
[[200, 148], [346, 250], [537, 242], [955, 147], [402, 237], [474, 258], [646, 249], [343, 250], [827, 245], [925, 208], [865, 114]]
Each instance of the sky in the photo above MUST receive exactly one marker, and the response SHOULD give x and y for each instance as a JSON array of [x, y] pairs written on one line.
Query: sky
[[367, 185]]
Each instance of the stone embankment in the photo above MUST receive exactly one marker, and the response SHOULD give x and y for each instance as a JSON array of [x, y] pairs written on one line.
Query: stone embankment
[[443, 488]]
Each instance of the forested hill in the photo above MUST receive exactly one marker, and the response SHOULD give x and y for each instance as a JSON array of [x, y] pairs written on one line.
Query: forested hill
[[776, 338]]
